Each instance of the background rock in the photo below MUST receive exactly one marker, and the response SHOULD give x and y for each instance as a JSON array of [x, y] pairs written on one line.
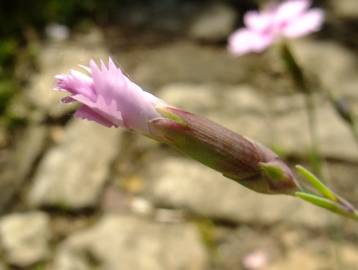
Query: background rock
[[304, 257], [347, 8], [214, 23], [73, 172], [124, 242], [185, 61], [18, 165], [25, 238], [173, 183], [340, 65], [57, 58]]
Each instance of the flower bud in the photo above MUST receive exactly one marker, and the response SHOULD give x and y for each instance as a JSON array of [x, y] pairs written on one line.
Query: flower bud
[[235, 156]]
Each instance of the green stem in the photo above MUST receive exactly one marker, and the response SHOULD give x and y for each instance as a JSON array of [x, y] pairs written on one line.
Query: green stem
[[315, 158], [354, 129], [298, 76], [345, 114]]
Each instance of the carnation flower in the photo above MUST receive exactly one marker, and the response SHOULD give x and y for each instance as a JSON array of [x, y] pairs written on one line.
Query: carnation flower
[[108, 97], [291, 19]]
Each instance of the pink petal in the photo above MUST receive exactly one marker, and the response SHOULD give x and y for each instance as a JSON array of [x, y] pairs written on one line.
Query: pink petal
[[290, 9], [107, 82], [244, 41], [258, 21], [100, 107], [151, 98], [133, 103], [109, 97], [76, 83], [309, 22], [85, 112]]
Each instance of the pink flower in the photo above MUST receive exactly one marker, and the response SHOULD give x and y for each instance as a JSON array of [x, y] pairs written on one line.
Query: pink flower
[[108, 97], [290, 19], [256, 260]]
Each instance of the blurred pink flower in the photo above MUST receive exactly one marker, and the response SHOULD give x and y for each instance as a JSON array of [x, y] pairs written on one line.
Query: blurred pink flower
[[108, 97], [255, 260], [290, 19]]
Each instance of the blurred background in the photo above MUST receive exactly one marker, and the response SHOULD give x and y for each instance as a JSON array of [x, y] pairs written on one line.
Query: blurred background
[[77, 196]]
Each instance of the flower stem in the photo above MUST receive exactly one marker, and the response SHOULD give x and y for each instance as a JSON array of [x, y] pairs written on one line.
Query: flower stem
[[314, 156], [354, 130], [298, 77], [345, 113]]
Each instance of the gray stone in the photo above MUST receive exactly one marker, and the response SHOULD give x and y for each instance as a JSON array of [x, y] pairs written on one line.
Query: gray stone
[[72, 173], [247, 247], [124, 242], [18, 164], [312, 256], [346, 8], [340, 64], [187, 62], [3, 267], [57, 58], [57, 32], [29, 148], [182, 183], [25, 238], [214, 23], [282, 247]]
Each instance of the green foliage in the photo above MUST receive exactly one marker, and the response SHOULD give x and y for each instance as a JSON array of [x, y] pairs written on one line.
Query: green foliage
[[294, 69], [325, 197], [316, 183], [8, 85], [327, 204], [22, 22], [7, 52], [7, 91], [207, 231]]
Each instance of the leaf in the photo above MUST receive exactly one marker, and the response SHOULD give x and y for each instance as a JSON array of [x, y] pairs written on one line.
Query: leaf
[[317, 184], [327, 204]]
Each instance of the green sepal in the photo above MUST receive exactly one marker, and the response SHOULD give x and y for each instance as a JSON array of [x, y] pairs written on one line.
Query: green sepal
[[272, 171], [327, 204], [167, 113], [317, 184]]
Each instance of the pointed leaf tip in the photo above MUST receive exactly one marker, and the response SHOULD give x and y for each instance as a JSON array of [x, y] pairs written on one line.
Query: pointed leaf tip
[[316, 183], [326, 203]]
